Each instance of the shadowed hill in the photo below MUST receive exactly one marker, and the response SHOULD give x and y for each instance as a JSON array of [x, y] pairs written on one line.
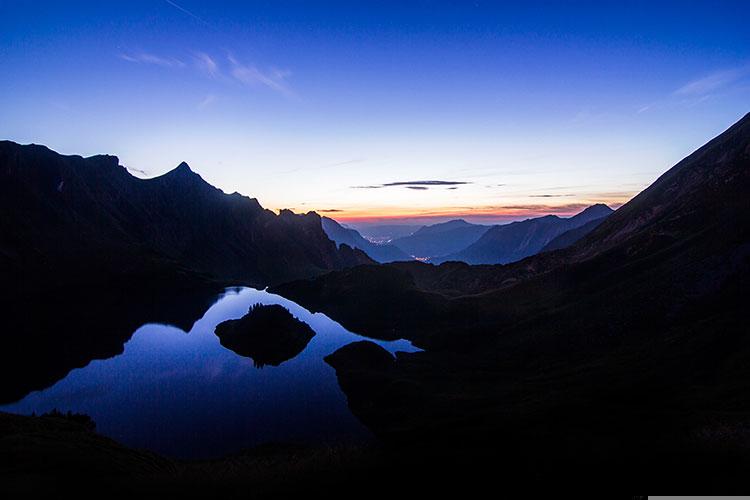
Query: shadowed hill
[[441, 239], [569, 237]]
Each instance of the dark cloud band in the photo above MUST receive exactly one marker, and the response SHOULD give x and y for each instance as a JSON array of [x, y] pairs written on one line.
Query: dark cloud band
[[413, 184]]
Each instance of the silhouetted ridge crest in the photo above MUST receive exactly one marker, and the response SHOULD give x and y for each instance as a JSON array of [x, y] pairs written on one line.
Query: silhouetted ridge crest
[[73, 218], [707, 187], [515, 241]]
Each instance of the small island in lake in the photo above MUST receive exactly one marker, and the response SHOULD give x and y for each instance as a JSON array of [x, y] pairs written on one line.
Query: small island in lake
[[268, 334]]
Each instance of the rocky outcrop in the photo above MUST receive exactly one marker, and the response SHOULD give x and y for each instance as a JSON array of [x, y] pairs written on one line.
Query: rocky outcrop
[[268, 334]]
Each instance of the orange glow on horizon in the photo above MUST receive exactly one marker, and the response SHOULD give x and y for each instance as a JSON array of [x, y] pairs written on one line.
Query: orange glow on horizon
[[486, 213]]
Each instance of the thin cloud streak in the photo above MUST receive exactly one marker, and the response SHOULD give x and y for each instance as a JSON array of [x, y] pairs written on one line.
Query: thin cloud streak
[[413, 184], [184, 10], [550, 195], [701, 89], [248, 75], [712, 82], [274, 79], [146, 58], [207, 65], [207, 101], [137, 171]]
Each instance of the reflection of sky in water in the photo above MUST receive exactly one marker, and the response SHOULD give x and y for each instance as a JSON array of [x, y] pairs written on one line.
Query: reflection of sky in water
[[184, 394]]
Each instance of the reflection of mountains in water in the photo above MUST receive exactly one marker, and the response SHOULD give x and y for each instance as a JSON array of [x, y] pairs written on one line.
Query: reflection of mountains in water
[[54, 331]]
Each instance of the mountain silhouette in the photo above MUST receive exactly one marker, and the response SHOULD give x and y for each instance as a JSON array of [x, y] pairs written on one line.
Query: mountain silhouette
[[570, 236], [514, 241], [352, 237], [386, 233], [71, 218], [440, 239]]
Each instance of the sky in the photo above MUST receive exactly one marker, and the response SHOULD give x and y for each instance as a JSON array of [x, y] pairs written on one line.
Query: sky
[[381, 111]]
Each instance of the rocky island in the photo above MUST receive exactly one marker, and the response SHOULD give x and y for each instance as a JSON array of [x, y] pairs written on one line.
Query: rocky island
[[268, 334]]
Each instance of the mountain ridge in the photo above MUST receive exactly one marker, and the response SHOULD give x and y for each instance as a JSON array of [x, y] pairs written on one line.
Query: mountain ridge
[[83, 216], [440, 239], [517, 240], [341, 234]]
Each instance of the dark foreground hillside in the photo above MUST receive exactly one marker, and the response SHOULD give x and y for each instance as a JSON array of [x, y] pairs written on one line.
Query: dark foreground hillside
[[625, 357]]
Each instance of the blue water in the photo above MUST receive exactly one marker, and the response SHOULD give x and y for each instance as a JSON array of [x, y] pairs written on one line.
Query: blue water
[[182, 394]]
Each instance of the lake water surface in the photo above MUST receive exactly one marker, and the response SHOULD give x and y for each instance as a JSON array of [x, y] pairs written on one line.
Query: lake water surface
[[182, 394]]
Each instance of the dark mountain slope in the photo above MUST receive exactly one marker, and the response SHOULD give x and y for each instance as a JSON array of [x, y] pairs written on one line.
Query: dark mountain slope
[[386, 233], [708, 188], [678, 255], [71, 218], [440, 239], [351, 237], [572, 235], [514, 241], [626, 352]]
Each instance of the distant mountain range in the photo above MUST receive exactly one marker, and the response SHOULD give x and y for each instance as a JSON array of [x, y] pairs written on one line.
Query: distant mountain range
[[351, 237], [72, 219], [517, 240], [440, 239], [385, 233], [460, 240]]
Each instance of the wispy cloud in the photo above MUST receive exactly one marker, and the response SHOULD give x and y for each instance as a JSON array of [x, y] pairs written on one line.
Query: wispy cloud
[[147, 58], [274, 79], [711, 82], [529, 209], [137, 171], [426, 183], [206, 64], [245, 74], [413, 184], [701, 89], [189, 13], [418, 188], [645, 108], [207, 101], [346, 162], [550, 195]]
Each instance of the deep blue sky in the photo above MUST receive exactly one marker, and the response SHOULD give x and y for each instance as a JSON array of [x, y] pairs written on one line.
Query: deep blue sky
[[536, 107]]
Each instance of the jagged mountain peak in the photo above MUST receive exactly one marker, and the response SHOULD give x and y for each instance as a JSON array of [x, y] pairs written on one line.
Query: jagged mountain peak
[[183, 167], [184, 175]]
